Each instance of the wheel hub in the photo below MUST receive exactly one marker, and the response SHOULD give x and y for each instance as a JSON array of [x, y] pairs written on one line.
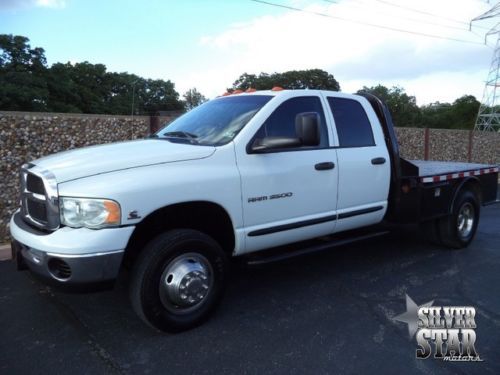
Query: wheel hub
[[465, 220], [185, 282]]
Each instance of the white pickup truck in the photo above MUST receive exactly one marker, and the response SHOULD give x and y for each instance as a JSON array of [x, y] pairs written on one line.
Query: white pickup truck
[[244, 174]]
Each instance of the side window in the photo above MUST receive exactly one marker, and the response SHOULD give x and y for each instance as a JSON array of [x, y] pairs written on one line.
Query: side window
[[353, 127], [281, 123]]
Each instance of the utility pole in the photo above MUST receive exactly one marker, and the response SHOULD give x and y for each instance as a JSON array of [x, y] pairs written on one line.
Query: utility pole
[[488, 118], [132, 127], [133, 98]]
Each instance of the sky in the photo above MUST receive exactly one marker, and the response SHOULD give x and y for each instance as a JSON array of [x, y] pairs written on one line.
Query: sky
[[208, 44]]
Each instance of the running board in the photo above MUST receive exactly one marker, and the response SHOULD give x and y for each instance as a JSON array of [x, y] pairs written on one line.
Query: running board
[[306, 247]]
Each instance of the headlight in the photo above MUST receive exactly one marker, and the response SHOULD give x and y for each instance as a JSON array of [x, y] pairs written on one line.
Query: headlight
[[90, 213]]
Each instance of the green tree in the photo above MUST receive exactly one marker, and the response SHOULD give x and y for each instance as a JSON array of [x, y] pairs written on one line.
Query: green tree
[[293, 79], [436, 115], [63, 91], [193, 98], [465, 111], [157, 95], [92, 86], [403, 107], [27, 84], [23, 74], [461, 114], [123, 89]]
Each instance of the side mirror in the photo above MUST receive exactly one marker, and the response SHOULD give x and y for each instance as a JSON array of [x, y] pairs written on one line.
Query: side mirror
[[307, 128], [263, 145]]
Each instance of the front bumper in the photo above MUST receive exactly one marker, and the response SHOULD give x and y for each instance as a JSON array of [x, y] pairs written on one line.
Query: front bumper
[[69, 256]]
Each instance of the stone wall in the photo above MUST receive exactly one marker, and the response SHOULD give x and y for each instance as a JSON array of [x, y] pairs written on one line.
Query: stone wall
[[449, 145], [28, 136], [486, 147], [411, 142]]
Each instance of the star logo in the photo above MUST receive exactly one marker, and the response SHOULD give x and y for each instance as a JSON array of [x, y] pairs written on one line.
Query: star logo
[[411, 315]]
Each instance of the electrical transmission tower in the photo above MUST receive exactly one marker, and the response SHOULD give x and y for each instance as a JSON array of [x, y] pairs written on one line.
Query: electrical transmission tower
[[488, 118]]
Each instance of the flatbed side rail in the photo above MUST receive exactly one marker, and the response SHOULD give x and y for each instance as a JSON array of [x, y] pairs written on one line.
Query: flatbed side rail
[[452, 176]]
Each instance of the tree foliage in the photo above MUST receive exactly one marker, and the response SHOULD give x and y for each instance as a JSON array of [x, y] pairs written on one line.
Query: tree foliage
[[22, 75], [461, 114], [193, 98], [403, 107], [28, 84], [293, 79]]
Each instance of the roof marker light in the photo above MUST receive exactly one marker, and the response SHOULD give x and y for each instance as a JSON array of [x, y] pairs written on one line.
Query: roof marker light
[[250, 90], [277, 88], [237, 91]]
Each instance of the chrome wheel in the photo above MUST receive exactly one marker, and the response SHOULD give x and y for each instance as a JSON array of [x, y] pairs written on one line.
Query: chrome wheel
[[185, 283], [465, 220]]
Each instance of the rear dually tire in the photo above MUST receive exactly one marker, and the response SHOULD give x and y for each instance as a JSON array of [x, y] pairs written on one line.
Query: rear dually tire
[[458, 229]]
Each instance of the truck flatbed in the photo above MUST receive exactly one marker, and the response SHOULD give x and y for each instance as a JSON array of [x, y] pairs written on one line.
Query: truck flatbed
[[435, 171]]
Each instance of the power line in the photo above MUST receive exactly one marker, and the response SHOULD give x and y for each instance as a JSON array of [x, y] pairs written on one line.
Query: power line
[[365, 23], [493, 12], [425, 12], [360, 5]]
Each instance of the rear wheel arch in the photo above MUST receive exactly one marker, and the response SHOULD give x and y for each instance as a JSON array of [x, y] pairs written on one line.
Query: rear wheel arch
[[468, 184], [204, 216]]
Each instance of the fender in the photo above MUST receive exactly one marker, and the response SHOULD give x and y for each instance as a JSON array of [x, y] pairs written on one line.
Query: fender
[[458, 188]]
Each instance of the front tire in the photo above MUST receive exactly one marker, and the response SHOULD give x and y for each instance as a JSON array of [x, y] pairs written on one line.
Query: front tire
[[178, 280], [458, 229]]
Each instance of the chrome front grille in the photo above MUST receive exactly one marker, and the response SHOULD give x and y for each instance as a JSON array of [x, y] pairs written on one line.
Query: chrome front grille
[[34, 184], [37, 210], [39, 198]]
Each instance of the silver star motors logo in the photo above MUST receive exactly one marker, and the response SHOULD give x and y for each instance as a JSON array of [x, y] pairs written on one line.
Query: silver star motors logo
[[411, 315]]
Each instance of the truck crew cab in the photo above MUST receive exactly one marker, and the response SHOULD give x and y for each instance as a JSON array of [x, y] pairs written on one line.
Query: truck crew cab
[[248, 173]]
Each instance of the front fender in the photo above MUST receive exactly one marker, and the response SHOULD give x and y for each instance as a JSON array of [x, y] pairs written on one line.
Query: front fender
[[142, 190]]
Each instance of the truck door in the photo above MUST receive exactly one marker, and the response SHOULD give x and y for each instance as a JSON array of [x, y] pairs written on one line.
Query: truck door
[[288, 194], [364, 164]]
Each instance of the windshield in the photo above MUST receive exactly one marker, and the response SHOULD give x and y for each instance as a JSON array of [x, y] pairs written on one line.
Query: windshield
[[216, 122]]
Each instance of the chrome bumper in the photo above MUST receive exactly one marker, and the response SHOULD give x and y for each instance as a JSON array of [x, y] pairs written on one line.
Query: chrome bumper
[[69, 256], [69, 269]]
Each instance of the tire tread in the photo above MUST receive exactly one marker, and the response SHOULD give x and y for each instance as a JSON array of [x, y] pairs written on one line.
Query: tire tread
[[152, 253]]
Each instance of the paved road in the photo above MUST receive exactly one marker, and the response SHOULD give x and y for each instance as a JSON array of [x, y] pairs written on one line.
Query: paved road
[[326, 313]]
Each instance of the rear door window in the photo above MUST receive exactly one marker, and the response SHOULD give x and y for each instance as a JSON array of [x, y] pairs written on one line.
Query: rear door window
[[353, 127]]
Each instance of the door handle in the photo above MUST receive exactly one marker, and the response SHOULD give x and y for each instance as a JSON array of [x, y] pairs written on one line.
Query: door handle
[[376, 161], [324, 166]]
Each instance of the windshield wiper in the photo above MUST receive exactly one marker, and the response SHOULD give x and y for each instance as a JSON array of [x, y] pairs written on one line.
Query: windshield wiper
[[180, 134]]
